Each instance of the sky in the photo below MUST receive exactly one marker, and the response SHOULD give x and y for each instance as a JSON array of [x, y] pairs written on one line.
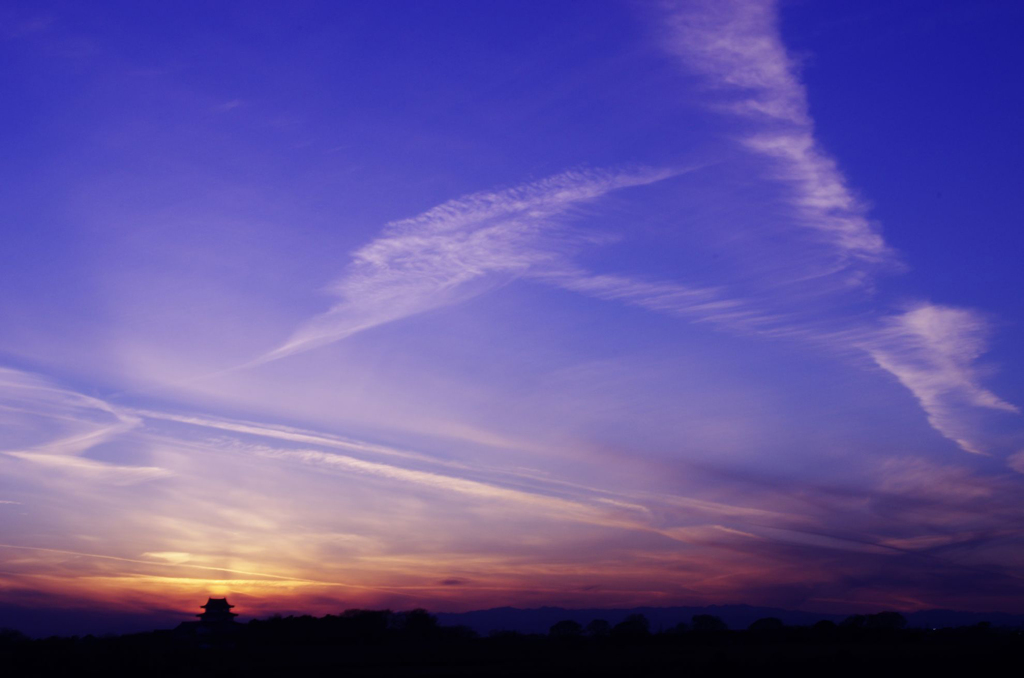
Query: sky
[[452, 304]]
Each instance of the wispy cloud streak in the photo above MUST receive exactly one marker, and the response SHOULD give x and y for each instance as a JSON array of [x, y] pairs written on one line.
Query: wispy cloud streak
[[736, 46], [456, 250], [465, 246], [933, 350], [84, 422], [698, 304]]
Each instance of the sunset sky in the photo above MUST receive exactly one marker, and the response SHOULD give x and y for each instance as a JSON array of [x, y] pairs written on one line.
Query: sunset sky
[[458, 304]]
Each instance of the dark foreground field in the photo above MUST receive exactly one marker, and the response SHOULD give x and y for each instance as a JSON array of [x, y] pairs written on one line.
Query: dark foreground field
[[363, 643]]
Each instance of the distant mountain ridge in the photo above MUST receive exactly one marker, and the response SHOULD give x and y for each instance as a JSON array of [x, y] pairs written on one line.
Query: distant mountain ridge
[[43, 621], [539, 620]]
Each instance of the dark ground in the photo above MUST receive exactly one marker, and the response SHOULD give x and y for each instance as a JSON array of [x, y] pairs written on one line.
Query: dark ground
[[368, 643]]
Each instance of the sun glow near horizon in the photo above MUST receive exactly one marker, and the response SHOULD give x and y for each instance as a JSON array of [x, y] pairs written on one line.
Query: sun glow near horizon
[[349, 306]]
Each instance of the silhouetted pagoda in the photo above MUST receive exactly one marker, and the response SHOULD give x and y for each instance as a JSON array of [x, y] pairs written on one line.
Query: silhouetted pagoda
[[217, 612], [216, 625]]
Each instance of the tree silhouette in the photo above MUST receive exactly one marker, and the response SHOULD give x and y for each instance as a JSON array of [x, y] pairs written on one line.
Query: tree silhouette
[[767, 624], [419, 623], [824, 626], [400, 643], [854, 621], [633, 626], [886, 621], [11, 637], [599, 628], [678, 629], [708, 622], [567, 628]]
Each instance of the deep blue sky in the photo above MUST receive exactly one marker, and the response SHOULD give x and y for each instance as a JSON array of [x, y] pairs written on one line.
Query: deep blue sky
[[604, 303]]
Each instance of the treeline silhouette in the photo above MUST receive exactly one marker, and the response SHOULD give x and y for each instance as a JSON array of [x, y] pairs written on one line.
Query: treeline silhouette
[[385, 643]]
